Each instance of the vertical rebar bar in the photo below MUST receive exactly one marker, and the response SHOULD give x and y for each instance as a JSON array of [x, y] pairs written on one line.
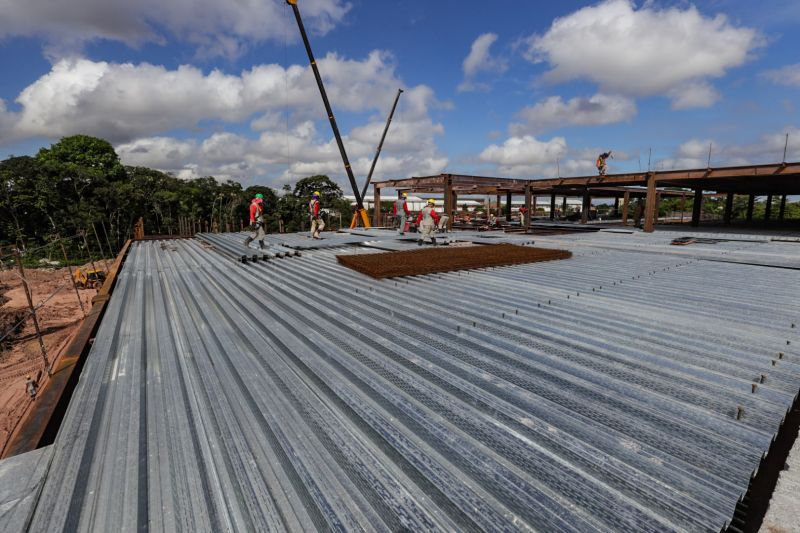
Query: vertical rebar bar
[[33, 310], [71, 276], [102, 253], [88, 250]]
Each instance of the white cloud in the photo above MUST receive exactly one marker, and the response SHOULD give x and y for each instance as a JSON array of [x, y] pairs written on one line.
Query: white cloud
[[216, 28], [526, 155], [481, 60], [788, 75], [642, 52], [121, 102], [767, 149], [555, 113], [693, 95]]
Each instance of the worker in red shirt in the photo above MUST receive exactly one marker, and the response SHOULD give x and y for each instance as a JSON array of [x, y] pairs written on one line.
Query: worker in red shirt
[[317, 224], [257, 221], [401, 212], [427, 220]]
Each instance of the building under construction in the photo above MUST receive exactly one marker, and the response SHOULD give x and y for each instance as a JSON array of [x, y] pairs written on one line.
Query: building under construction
[[626, 385]]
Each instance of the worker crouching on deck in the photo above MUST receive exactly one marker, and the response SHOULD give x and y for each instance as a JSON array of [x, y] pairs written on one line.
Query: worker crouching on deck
[[257, 221], [317, 224], [427, 221]]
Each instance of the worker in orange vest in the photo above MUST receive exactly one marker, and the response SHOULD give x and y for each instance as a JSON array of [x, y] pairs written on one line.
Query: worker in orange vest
[[257, 221], [317, 224]]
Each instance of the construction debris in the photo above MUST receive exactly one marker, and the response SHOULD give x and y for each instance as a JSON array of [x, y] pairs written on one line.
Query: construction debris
[[429, 261]]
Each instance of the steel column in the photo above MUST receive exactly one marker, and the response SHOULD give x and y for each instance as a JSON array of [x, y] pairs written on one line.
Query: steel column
[[585, 207], [528, 211], [782, 211], [626, 201], [768, 209], [376, 198], [751, 200], [726, 217], [697, 206], [650, 205], [552, 206], [508, 206]]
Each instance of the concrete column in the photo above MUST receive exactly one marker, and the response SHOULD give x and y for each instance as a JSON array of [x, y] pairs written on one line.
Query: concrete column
[[508, 206], [650, 205], [768, 210], [626, 202], [697, 207], [751, 200], [528, 211], [782, 211], [726, 216], [376, 198], [553, 206], [585, 207]]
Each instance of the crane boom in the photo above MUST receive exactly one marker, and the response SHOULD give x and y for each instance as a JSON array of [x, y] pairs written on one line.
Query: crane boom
[[359, 202], [380, 144]]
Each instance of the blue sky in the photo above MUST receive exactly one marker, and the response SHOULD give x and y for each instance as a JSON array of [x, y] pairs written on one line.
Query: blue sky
[[510, 88]]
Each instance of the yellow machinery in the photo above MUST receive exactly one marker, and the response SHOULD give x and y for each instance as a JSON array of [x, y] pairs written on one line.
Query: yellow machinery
[[90, 279]]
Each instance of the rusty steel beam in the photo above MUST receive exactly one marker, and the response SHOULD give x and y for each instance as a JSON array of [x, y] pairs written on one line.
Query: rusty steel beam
[[697, 207], [650, 205], [40, 423]]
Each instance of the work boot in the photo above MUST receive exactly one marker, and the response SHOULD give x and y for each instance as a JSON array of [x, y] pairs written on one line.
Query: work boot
[[419, 242], [261, 244], [247, 242], [433, 241]]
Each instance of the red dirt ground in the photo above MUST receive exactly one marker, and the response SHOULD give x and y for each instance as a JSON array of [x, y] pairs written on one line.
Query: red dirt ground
[[59, 319], [446, 259]]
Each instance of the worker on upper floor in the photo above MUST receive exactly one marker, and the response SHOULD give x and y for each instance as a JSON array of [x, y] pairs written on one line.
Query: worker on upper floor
[[257, 221], [401, 212], [601, 162], [314, 214], [427, 221]]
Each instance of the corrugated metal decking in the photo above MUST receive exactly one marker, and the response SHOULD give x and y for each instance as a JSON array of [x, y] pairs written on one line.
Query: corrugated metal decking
[[595, 393]]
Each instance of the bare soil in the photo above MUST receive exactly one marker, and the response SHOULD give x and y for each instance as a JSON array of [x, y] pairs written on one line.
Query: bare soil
[[446, 259], [20, 354]]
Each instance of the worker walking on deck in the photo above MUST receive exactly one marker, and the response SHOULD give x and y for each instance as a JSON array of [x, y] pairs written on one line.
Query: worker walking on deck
[[601, 162], [426, 222], [443, 220], [401, 212], [317, 224], [257, 221], [523, 211], [31, 387]]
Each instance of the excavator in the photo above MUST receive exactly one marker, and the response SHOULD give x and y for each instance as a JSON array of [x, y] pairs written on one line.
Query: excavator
[[361, 213], [90, 279]]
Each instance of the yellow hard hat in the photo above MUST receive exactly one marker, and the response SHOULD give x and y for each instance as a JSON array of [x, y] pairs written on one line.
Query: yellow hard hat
[[431, 201], [405, 194], [316, 193]]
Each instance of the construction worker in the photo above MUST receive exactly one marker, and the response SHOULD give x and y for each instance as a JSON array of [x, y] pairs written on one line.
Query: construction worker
[[426, 222], [32, 387], [317, 224], [601, 162], [523, 211], [443, 220], [257, 221], [401, 212]]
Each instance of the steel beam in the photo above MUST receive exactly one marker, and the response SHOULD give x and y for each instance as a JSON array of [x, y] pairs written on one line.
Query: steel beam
[[376, 198]]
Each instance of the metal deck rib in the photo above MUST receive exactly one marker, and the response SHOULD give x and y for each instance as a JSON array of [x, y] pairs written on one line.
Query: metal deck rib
[[595, 393]]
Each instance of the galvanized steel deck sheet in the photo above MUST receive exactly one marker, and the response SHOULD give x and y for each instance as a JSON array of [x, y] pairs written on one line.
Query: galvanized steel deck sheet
[[596, 393]]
